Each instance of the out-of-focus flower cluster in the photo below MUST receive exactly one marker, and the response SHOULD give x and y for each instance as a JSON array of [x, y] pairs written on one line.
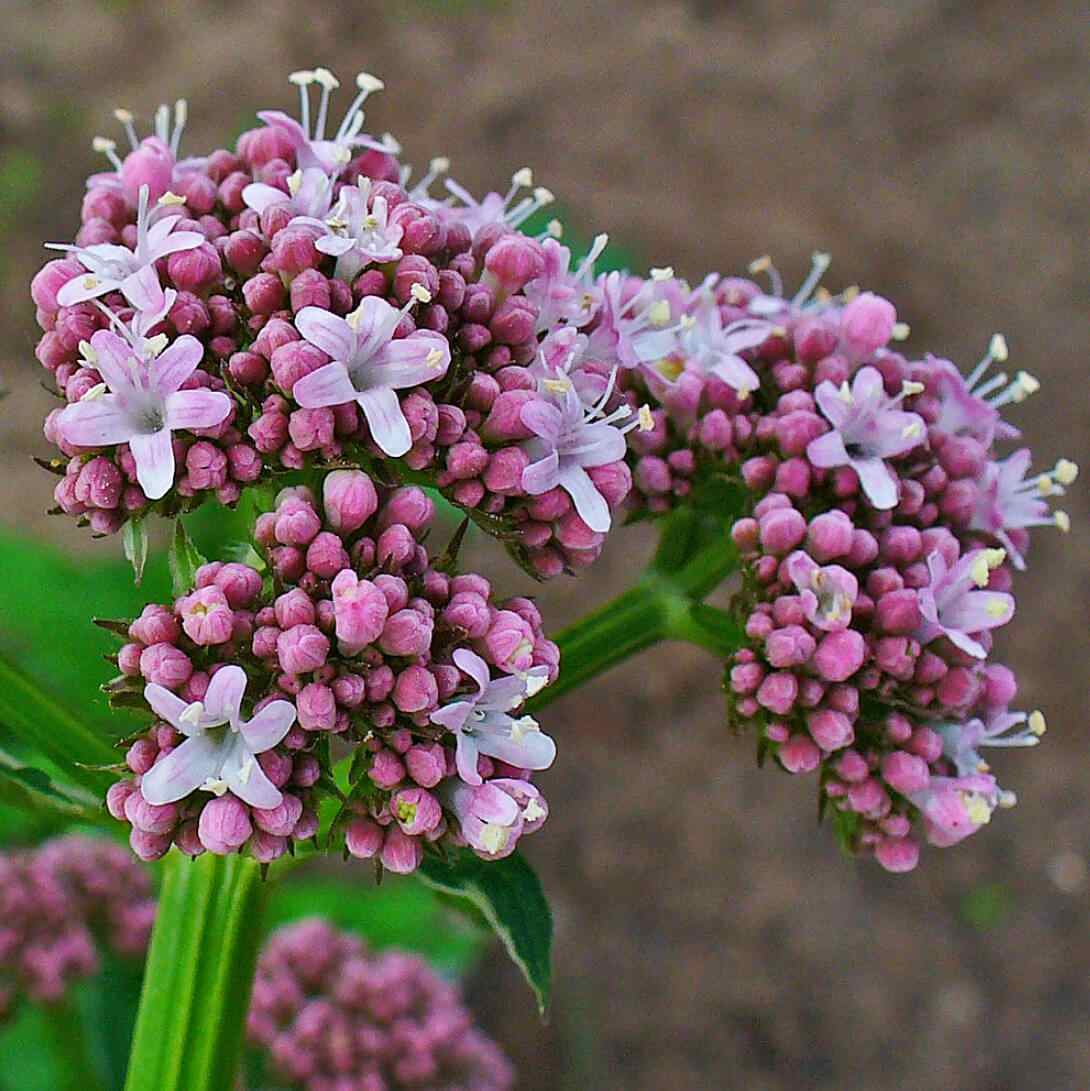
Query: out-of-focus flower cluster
[[300, 301], [58, 904], [349, 633], [879, 551], [331, 1015]]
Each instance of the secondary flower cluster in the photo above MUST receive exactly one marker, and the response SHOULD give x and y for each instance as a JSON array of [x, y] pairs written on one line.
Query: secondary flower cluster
[[878, 562], [332, 1015], [298, 302], [57, 905], [352, 634]]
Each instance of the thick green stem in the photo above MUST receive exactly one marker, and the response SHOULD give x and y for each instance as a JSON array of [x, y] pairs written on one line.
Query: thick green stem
[[199, 974], [76, 1070]]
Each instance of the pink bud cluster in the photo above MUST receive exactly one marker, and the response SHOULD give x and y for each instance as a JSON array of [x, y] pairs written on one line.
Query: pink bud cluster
[[357, 628], [290, 269], [57, 904], [332, 1015]]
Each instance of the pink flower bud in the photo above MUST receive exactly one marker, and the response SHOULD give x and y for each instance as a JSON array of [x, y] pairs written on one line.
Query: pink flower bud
[[151, 165], [866, 324], [778, 691], [426, 764], [781, 530], [349, 499], [326, 555], [387, 769], [905, 772], [415, 690], [401, 854], [831, 730], [799, 755], [293, 360], [302, 649], [311, 429], [406, 633], [224, 825], [897, 854], [410, 506], [839, 655], [297, 522], [317, 707], [195, 270], [364, 838], [416, 810], [360, 609], [165, 665]]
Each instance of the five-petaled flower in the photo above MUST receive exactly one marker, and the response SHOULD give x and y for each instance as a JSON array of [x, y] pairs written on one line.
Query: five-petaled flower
[[369, 366], [481, 723], [111, 267], [867, 430], [220, 749]]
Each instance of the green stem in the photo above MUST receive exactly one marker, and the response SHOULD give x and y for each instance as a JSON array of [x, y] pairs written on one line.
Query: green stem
[[199, 974], [75, 1069]]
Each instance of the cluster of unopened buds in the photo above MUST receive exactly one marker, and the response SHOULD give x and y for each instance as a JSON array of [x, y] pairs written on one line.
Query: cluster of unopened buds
[[346, 633], [60, 905], [301, 305], [329, 1014]]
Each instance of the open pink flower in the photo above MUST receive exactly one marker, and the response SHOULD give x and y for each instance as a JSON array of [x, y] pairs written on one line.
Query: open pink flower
[[145, 404], [955, 606], [867, 430], [828, 592], [132, 272], [310, 193], [714, 348], [219, 753], [955, 807], [481, 723], [369, 366], [493, 816]]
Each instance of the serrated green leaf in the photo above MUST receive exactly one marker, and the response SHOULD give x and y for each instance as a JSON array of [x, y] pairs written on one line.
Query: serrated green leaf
[[184, 559], [508, 893]]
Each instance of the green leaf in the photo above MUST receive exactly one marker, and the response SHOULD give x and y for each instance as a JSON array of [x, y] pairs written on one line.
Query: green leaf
[[134, 538], [45, 725], [33, 789], [199, 974], [184, 559], [508, 893]]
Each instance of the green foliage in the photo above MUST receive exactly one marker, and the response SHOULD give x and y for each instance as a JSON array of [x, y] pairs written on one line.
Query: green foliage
[[183, 559], [508, 894]]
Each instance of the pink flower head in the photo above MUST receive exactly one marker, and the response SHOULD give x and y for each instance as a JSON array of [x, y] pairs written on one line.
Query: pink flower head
[[220, 750], [310, 194], [358, 231], [569, 440], [111, 267], [369, 366], [955, 807], [962, 742], [1006, 501], [145, 404], [481, 725], [828, 592], [312, 149], [867, 430], [955, 605]]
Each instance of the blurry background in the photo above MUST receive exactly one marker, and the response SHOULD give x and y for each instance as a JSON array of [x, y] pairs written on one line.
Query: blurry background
[[709, 934]]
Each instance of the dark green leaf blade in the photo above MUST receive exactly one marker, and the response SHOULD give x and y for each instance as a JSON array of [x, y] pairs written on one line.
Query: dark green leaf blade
[[509, 895], [184, 559], [33, 790]]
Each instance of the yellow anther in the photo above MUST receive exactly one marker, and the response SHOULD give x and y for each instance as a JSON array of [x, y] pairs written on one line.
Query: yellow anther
[[977, 808], [996, 608], [900, 332], [439, 165], [533, 811], [1062, 521], [124, 116], [997, 348], [980, 571], [659, 313], [544, 196], [103, 144], [666, 272], [326, 79], [420, 293], [168, 199], [1037, 722], [1044, 485], [1066, 471], [434, 359], [366, 82], [995, 557], [523, 177], [303, 78], [554, 229], [557, 386], [647, 421], [761, 264]]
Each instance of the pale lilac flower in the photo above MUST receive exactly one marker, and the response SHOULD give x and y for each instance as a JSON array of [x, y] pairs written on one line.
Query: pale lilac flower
[[219, 753], [970, 404], [145, 404], [310, 194], [369, 366], [312, 149], [828, 592], [962, 742], [641, 328], [955, 807], [495, 208], [867, 430], [1006, 501], [568, 440], [356, 235], [491, 819], [714, 348], [955, 606], [561, 296], [112, 267], [481, 725]]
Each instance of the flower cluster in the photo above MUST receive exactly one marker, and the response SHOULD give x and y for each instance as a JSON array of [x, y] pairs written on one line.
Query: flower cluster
[[298, 302], [330, 1015], [351, 633], [878, 562], [57, 904]]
